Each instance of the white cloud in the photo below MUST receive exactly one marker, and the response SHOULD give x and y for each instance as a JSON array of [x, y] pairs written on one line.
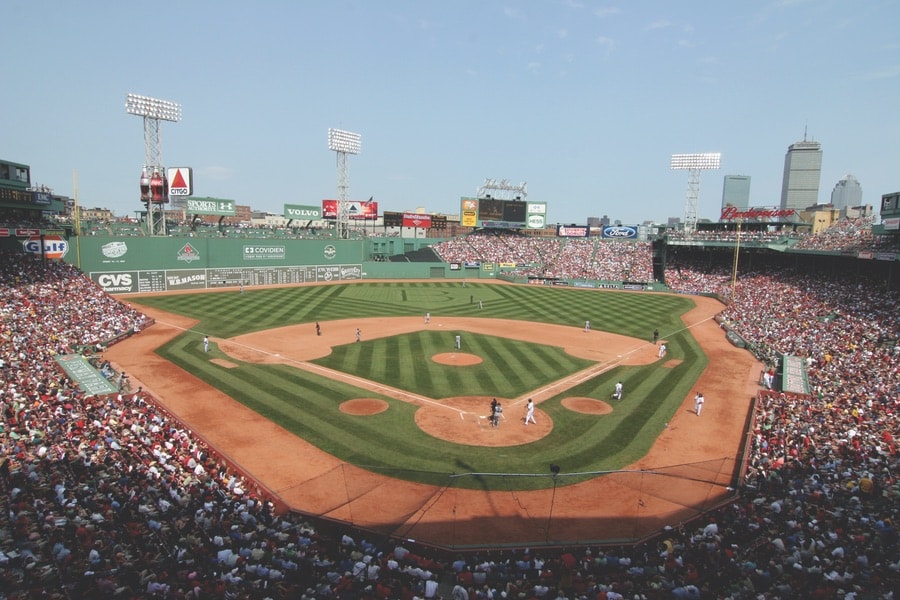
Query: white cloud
[[658, 24], [513, 13], [607, 43], [606, 11]]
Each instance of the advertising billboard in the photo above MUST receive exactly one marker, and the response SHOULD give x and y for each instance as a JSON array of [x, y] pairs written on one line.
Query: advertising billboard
[[502, 214], [181, 181], [356, 209], [573, 231], [210, 206], [619, 232], [302, 212], [416, 220]]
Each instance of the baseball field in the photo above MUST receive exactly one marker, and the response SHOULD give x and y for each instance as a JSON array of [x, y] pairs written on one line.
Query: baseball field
[[391, 432]]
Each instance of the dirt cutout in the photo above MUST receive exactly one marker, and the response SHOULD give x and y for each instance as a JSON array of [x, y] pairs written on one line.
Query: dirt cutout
[[457, 359]]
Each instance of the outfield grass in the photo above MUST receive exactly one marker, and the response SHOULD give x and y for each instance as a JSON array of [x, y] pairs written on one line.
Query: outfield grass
[[308, 404]]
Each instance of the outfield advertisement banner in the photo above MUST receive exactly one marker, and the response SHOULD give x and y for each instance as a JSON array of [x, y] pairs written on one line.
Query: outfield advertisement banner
[[619, 232], [416, 220], [210, 206], [131, 282], [355, 209], [573, 231], [302, 212]]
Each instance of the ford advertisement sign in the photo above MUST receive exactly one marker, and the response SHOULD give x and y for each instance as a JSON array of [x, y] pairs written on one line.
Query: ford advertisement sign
[[622, 232]]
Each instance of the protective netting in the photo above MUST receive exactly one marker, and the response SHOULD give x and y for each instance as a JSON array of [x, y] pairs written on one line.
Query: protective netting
[[474, 510]]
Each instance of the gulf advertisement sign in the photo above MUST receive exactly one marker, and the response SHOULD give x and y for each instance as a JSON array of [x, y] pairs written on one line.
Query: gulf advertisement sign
[[52, 246]]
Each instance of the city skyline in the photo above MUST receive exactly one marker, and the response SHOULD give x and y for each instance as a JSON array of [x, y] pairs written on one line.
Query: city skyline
[[585, 102], [802, 177]]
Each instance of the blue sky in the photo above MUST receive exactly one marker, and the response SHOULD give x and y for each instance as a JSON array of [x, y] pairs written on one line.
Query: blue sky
[[584, 101]]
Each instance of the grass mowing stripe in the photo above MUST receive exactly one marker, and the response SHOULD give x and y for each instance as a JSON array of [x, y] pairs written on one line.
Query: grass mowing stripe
[[500, 373], [391, 441]]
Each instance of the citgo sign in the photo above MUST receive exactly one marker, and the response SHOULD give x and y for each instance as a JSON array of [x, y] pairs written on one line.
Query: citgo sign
[[54, 246]]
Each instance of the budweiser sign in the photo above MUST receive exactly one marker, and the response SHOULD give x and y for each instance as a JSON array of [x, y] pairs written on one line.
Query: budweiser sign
[[731, 212]]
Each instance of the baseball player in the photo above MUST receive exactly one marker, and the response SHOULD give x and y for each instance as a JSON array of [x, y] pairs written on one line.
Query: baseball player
[[529, 412]]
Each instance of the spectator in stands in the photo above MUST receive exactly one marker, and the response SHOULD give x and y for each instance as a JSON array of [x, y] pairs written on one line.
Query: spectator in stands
[[111, 496]]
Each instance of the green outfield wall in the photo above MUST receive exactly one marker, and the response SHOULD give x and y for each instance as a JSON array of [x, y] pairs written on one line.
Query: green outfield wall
[[123, 265], [128, 264]]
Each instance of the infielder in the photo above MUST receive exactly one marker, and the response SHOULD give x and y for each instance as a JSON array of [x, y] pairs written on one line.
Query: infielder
[[529, 412]]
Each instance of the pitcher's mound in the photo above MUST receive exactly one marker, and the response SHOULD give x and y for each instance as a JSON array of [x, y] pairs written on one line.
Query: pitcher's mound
[[456, 359], [364, 406], [588, 406]]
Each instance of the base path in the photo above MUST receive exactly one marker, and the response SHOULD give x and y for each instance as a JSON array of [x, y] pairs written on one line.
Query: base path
[[614, 507]]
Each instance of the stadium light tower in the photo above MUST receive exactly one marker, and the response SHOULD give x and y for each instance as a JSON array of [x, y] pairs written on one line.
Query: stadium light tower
[[343, 143], [694, 163], [153, 188]]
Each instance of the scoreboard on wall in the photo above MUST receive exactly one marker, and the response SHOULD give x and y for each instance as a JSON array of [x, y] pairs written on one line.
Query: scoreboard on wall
[[502, 214]]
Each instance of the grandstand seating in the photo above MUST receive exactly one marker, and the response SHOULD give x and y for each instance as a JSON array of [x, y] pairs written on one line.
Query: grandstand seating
[[113, 498]]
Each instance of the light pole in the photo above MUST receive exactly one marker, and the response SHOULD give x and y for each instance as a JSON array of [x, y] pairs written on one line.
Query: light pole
[[694, 163], [343, 143], [734, 270], [153, 110]]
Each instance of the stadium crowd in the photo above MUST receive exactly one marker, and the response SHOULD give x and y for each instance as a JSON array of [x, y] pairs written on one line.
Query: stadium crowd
[[110, 497], [572, 258], [849, 235]]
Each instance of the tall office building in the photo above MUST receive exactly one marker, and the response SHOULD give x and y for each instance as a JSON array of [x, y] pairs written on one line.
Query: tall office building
[[802, 171], [736, 191], [846, 193]]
